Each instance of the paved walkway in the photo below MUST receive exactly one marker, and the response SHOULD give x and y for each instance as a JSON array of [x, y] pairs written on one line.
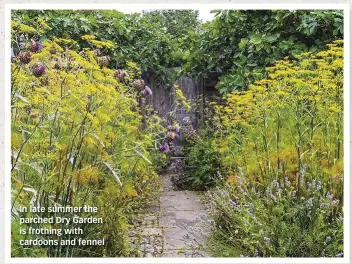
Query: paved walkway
[[174, 225]]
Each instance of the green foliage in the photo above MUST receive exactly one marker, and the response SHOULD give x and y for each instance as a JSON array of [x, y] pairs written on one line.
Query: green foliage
[[80, 137], [202, 164], [152, 39], [285, 132], [159, 160], [238, 44], [287, 123], [77, 140], [177, 23], [271, 221]]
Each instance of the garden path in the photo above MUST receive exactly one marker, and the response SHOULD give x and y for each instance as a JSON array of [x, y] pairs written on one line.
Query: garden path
[[174, 225]]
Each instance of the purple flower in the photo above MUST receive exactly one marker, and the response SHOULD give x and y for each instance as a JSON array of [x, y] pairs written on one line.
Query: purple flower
[[329, 196], [39, 46], [319, 185], [310, 203], [35, 46], [241, 190], [222, 192], [233, 205], [25, 57], [38, 70], [147, 91], [164, 148], [239, 180]]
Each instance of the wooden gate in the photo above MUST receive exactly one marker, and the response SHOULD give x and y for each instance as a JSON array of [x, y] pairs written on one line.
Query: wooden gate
[[162, 101]]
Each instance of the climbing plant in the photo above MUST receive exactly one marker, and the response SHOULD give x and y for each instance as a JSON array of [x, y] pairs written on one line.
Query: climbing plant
[[152, 39], [239, 44]]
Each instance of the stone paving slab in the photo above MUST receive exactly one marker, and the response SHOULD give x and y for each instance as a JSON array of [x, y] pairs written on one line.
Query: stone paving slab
[[181, 218], [168, 185], [181, 201], [185, 254], [188, 237], [173, 226], [177, 238]]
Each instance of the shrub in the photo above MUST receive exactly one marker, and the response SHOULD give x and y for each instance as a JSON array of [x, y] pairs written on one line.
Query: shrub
[[202, 164], [272, 221]]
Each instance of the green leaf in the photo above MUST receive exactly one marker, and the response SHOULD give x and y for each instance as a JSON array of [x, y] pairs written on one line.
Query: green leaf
[[312, 29], [255, 39], [272, 37], [243, 43]]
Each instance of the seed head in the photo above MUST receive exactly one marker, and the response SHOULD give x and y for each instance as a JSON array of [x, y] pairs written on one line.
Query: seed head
[[25, 57], [38, 70]]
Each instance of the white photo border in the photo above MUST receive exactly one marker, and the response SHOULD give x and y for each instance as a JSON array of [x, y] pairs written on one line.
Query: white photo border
[[131, 8]]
